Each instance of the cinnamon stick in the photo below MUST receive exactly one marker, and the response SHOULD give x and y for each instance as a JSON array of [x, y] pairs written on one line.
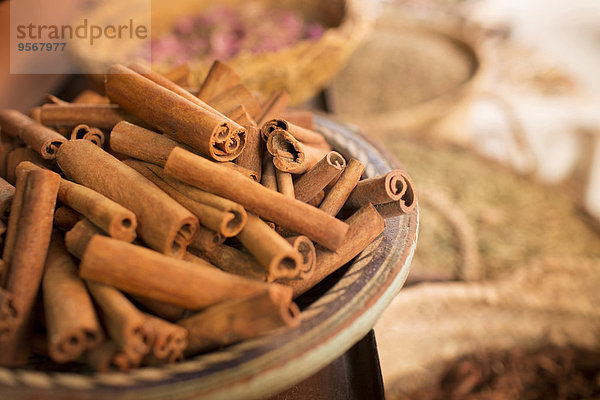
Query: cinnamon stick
[[365, 225], [108, 215], [5, 149], [234, 96], [268, 178], [234, 261], [179, 74], [163, 223], [65, 218], [240, 319], [7, 193], [19, 155], [208, 132], [290, 155], [146, 273], [103, 116], [318, 199], [220, 77], [127, 326], [83, 131], [71, 322], [141, 143], [299, 117], [7, 312], [25, 253], [337, 196], [50, 98], [90, 97], [170, 340], [107, 356], [163, 310], [303, 135], [215, 213], [285, 184], [206, 240], [306, 248], [315, 179], [252, 155], [273, 206], [137, 142], [380, 189], [273, 106], [78, 237], [405, 205], [44, 141], [275, 254]]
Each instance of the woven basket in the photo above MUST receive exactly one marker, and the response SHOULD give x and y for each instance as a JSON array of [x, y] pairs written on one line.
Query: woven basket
[[302, 69], [403, 105]]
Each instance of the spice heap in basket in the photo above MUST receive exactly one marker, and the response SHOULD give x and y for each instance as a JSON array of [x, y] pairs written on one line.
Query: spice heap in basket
[[160, 224], [223, 31]]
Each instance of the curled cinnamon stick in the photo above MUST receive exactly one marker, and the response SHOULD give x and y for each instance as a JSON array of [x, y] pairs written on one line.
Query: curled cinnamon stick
[[208, 132], [41, 139], [107, 356], [149, 274], [127, 326], [290, 213], [306, 248], [275, 254], [303, 135], [7, 311], [316, 178], [290, 155], [103, 116], [83, 131], [365, 225], [380, 189], [220, 77], [240, 319], [71, 322], [163, 223], [170, 340], [405, 205], [137, 142], [25, 252], [337, 196]]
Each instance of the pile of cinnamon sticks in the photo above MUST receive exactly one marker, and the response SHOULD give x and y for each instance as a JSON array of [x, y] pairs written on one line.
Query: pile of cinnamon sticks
[[154, 222]]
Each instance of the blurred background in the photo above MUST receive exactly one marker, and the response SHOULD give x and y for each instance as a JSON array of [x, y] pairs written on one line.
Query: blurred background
[[493, 107]]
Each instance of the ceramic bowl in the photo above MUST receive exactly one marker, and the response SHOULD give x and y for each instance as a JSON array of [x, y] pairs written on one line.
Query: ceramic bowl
[[336, 314]]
